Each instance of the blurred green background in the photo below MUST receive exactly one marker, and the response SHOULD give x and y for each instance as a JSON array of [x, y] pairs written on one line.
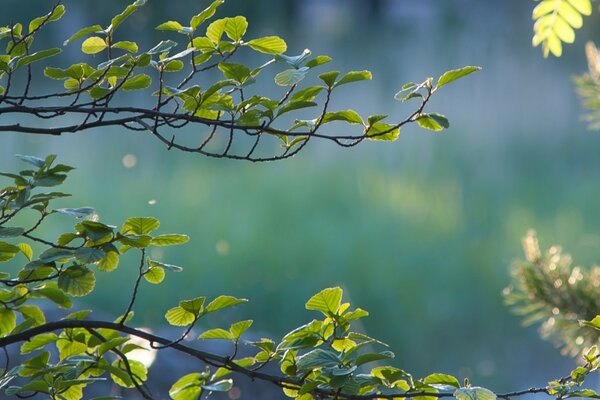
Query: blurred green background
[[421, 232]]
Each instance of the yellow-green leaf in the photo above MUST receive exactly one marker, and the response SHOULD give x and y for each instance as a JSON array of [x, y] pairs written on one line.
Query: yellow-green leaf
[[93, 45]]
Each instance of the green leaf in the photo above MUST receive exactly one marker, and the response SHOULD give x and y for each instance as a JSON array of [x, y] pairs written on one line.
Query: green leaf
[[38, 342], [83, 32], [10, 232], [50, 291], [223, 302], [381, 131], [118, 19], [594, 323], [306, 94], [215, 30], [138, 370], [55, 254], [137, 82], [295, 105], [52, 16], [173, 66], [349, 116], [327, 301], [188, 386], [93, 45], [88, 255], [454, 74], [131, 47], [442, 379], [177, 316], [37, 56], [474, 393], [8, 321], [217, 333], [354, 76], [140, 225], [170, 26], [329, 78], [318, 60], [33, 312], [7, 251], [208, 12], [195, 305], [82, 212], [290, 77], [317, 358], [237, 329], [170, 267], [26, 250], [77, 281], [162, 47], [221, 386], [370, 357], [36, 161], [432, 121], [169, 240], [236, 27], [237, 72], [268, 45], [154, 275]]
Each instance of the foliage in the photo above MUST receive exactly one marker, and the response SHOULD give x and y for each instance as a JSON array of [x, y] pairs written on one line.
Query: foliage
[[556, 21], [324, 358], [550, 290], [228, 109]]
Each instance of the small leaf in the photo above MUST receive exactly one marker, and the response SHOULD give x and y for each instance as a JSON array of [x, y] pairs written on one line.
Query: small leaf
[[455, 74], [223, 302], [170, 26], [217, 333], [268, 45], [8, 321], [329, 78], [382, 131], [93, 45], [237, 329], [140, 225], [237, 72], [177, 316], [82, 212], [208, 12], [195, 306], [154, 275], [474, 393], [170, 267], [52, 16], [137, 82], [236, 27], [82, 32], [130, 9], [10, 232], [349, 116], [354, 76], [77, 281], [37, 56], [327, 301], [169, 240], [290, 77], [188, 386], [221, 386], [434, 122], [162, 47], [26, 250], [442, 379], [318, 60], [38, 342], [36, 161], [131, 47]]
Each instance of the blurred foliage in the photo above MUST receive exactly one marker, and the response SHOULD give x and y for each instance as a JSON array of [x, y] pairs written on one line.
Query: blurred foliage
[[551, 291]]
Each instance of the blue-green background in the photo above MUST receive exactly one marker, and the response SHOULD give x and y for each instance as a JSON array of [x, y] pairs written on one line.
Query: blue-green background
[[421, 232]]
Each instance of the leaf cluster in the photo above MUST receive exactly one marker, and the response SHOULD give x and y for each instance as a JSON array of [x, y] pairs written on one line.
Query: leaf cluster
[[230, 107]]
